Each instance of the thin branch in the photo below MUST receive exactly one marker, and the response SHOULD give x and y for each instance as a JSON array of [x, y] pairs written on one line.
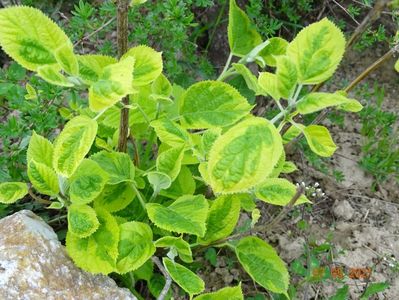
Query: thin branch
[[38, 199], [86, 37], [168, 279], [122, 34]]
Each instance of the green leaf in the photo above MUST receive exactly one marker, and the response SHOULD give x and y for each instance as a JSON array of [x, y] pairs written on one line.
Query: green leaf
[[33, 40], [186, 215], [52, 74], [135, 246], [73, 143], [341, 294], [170, 132], [278, 191], [242, 34], [209, 104], [247, 202], [186, 279], [277, 46], [98, 252], [43, 178], [12, 191], [317, 51], [319, 140], [222, 218], [161, 88], [227, 293], [82, 220], [289, 167], [291, 133], [169, 161], [374, 288], [263, 264], [396, 66], [118, 166], [114, 83], [148, 64], [317, 101], [244, 156], [91, 66], [286, 76], [159, 181], [31, 92], [180, 245], [115, 197], [249, 77], [40, 149], [208, 139], [87, 182], [268, 85], [184, 184], [67, 59], [137, 2]]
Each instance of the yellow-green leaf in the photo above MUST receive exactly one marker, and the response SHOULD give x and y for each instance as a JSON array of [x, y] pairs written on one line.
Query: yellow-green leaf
[[222, 218], [319, 140], [114, 83], [286, 76], [148, 64], [169, 161], [227, 293], [249, 77], [268, 85], [118, 165], [82, 220], [40, 149], [87, 182], [91, 66], [33, 40], [12, 191], [317, 51], [170, 132], [263, 264], [244, 156], [242, 33], [278, 191], [98, 252], [277, 46], [184, 184], [186, 215], [52, 74], [135, 246], [186, 279], [73, 143], [209, 104], [43, 178], [178, 244], [317, 101], [115, 197]]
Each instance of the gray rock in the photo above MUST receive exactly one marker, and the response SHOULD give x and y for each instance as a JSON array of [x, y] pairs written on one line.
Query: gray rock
[[34, 265]]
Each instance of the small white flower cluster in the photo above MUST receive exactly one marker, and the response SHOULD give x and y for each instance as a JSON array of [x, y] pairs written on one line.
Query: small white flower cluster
[[391, 261], [314, 190]]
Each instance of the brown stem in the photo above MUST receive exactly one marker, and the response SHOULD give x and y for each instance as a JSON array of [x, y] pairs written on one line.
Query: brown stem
[[38, 199], [371, 17], [371, 68], [168, 279], [122, 33]]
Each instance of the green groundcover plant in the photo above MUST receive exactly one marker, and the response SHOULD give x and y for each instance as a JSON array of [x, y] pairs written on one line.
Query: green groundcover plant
[[196, 158]]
